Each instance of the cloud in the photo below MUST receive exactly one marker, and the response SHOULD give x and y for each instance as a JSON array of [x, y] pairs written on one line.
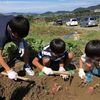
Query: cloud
[[43, 5]]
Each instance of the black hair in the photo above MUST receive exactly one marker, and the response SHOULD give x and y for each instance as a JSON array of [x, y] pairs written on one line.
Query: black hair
[[57, 46], [92, 48], [19, 25]]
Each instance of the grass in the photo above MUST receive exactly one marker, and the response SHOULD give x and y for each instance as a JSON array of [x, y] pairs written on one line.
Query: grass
[[42, 33], [46, 32]]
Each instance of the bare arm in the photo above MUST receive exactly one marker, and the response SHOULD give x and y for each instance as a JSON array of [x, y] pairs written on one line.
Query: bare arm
[[3, 63], [37, 64], [88, 64], [82, 60], [80, 63], [61, 64]]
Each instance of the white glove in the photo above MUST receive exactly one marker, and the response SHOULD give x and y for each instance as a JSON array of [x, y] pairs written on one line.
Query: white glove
[[81, 73], [62, 69], [21, 49], [12, 74], [47, 71]]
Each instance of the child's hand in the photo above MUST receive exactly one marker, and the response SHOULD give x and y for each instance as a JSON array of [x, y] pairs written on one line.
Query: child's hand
[[81, 73], [47, 71], [21, 49], [12, 74], [62, 69]]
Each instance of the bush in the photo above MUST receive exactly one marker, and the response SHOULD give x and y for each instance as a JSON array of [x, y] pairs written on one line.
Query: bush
[[76, 47], [8, 51], [36, 44]]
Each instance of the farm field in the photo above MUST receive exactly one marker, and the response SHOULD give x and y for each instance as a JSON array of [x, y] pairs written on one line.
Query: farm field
[[47, 88], [52, 87]]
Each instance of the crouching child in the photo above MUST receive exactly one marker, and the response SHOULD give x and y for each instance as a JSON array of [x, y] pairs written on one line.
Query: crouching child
[[53, 57], [90, 61]]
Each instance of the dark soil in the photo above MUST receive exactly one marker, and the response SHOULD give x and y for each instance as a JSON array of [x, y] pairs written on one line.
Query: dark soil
[[47, 88]]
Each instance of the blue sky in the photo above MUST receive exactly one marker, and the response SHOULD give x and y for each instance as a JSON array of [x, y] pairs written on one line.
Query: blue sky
[[41, 6]]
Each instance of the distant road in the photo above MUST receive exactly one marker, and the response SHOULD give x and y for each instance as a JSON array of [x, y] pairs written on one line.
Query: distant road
[[97, 28]]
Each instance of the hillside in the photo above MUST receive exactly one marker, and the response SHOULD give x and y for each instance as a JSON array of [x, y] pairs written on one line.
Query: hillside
[[50, 13], [86, 9]]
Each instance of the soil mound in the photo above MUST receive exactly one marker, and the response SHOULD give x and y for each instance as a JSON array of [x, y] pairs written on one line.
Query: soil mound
[[48, 88]]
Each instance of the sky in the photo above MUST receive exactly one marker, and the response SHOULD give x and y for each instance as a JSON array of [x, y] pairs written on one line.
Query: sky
[[41, 6]]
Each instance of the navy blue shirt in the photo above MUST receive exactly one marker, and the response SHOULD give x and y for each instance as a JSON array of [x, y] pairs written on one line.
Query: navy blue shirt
[[5, 36]]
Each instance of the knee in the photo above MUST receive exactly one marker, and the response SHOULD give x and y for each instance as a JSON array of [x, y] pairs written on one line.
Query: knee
[[71, 55], [46, 61]]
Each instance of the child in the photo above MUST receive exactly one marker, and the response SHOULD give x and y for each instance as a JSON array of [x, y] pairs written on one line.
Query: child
[[14, 29], [52, 55], [91, 59]]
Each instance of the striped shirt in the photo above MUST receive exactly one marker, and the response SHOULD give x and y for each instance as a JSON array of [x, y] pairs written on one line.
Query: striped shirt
[[48, 53]]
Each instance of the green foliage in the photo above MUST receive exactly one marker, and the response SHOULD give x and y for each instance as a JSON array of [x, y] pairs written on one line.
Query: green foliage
[[78, 46], [8, 50], [36, 44], [74, 46], [42, 33]]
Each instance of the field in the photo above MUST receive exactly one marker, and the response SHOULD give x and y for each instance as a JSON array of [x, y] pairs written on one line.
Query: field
[[52, 87]]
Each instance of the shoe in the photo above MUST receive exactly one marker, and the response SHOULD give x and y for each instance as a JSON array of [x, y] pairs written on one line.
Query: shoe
[[28, 70]]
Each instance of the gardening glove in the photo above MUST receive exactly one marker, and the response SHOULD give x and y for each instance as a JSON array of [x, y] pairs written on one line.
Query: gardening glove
[[47, 71], [62, 69], [21, 49], [81, 73], [12, 74]]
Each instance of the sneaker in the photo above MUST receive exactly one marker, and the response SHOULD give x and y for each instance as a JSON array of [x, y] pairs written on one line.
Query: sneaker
[[29, 70]]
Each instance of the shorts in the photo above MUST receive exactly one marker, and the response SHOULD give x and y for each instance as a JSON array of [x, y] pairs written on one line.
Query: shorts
[[24, 42], [96, 71], [54, 64]]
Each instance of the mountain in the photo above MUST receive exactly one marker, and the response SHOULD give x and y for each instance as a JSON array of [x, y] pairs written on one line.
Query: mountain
[[54, 13], [50, 13], [79, 9], [94, 7], [87, 9], [16, 13], [63, 12]]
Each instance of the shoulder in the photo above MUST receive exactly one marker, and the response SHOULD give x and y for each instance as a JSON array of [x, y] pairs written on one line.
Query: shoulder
[[45, 51], [46, 47], [5, 19], [3, 23]]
